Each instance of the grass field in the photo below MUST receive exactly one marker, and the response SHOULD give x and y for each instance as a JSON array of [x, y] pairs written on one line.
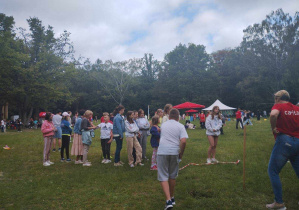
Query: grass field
[[27, 184]]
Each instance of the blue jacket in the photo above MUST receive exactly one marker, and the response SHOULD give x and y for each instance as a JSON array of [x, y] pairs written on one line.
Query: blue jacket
[[118, 125], [155, 137], [77, 127], [66, 127]]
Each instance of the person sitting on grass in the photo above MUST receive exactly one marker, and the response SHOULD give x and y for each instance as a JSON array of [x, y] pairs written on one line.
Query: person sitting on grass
[[284, 120], [66, 136], [106, 137], [155, 138], [48, 130], [171, 149]]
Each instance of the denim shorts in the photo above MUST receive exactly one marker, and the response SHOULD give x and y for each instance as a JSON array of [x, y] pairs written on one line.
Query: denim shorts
[[168, 167], [58, 133]]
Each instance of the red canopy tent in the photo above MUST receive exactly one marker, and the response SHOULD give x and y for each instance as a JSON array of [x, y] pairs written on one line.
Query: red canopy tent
[[192, 110], [189, 105]]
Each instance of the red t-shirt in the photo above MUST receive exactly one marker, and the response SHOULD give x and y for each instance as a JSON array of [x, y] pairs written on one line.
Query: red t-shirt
[[288, 119], [238, 115], [202, 117]]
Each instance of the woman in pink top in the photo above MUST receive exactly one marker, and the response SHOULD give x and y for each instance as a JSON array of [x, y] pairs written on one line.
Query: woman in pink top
[[48, 133]]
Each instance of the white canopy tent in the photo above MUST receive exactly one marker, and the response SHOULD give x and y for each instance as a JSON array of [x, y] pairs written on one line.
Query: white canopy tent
[[221, 106]]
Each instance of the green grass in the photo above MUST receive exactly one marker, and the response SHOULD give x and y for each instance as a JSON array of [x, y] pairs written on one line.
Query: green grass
[[27, 184]]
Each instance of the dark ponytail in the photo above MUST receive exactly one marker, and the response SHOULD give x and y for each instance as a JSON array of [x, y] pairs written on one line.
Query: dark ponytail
[[117, 109]]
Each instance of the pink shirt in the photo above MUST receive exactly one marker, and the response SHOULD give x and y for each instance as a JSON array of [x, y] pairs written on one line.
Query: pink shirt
[[47, 128]]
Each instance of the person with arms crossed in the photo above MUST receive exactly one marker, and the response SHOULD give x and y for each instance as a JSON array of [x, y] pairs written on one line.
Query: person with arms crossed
[[284, 120], [171, 148]]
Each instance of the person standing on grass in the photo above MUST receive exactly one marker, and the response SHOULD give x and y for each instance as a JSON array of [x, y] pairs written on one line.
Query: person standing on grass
[[144, 127], [77, 147], [138, 136], [155, 138], [132, 142], [58, 133], [160, 115], [170, 151], [167, 109], [213, 126], [284, 120], [106, 137], [118, 133], [48, 130], [202, 118], [239, 118], [66, 136], [86, 126]]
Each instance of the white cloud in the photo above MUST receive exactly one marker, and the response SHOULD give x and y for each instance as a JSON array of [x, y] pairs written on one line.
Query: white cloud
[[104, 29]]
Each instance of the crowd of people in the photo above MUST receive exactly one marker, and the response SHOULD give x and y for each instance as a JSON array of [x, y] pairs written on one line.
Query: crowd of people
[[168, 139]]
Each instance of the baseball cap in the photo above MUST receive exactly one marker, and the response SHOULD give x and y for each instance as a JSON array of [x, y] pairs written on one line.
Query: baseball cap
[[65, 114]]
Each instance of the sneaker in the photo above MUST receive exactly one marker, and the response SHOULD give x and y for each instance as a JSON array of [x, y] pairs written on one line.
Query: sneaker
[[68, 160], [209, 161], [214, 160], [104, 161], [80, 161], [62, 160], [139, 164], [53, 150], [121, 162], [107, 161], [87, 164], [154, 168], [173, 201], [168, 205], [59, 149], [77, 162], [278, 206], [46, 164], [51, 163], [118, 164], [132, 165]]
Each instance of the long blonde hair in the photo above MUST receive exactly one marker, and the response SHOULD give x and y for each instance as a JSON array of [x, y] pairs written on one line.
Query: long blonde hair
[[213, 112]]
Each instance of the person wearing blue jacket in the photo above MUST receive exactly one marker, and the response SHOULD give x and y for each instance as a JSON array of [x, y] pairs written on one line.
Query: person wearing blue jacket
[[155, 138], [118, 133], [66, 136]]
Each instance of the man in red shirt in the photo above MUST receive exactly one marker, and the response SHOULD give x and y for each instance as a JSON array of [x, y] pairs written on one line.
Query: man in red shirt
[[202, 120], [238, 118], [284, 119]]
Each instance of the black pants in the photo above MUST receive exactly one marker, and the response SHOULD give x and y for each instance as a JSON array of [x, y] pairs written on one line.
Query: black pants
[[239, 120], [105, 148], [66, 146], [202, 125]]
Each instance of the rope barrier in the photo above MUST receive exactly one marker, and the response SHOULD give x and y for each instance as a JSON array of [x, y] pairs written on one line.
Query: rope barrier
[[203, 164]]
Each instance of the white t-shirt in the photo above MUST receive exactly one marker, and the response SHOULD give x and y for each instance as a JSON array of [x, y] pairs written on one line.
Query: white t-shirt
[[171, 134], [2, 122], [57, 120], [105, 130]]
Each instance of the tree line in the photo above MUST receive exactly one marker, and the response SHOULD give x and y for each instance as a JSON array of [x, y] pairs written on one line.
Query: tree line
[[39, 71]]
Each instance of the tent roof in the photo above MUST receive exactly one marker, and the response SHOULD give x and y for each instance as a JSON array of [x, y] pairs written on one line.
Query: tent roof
[[192, 110], [189, 105], [221, 106]]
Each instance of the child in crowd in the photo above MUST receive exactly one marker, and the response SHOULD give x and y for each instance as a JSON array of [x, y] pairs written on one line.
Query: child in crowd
[[106, 137], [132, 142], [48, 134], [77, 147], [66, 136], [144, 127], [155, 138], [86, 126]]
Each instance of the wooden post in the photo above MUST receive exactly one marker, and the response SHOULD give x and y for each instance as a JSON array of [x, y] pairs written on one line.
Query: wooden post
[[244, 156], [6, 111]]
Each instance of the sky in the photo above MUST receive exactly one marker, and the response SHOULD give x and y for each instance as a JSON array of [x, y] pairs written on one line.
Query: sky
[[124, 29]]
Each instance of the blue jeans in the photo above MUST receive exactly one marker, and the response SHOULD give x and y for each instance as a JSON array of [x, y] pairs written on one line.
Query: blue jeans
[[119, 145], [285, 148]]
